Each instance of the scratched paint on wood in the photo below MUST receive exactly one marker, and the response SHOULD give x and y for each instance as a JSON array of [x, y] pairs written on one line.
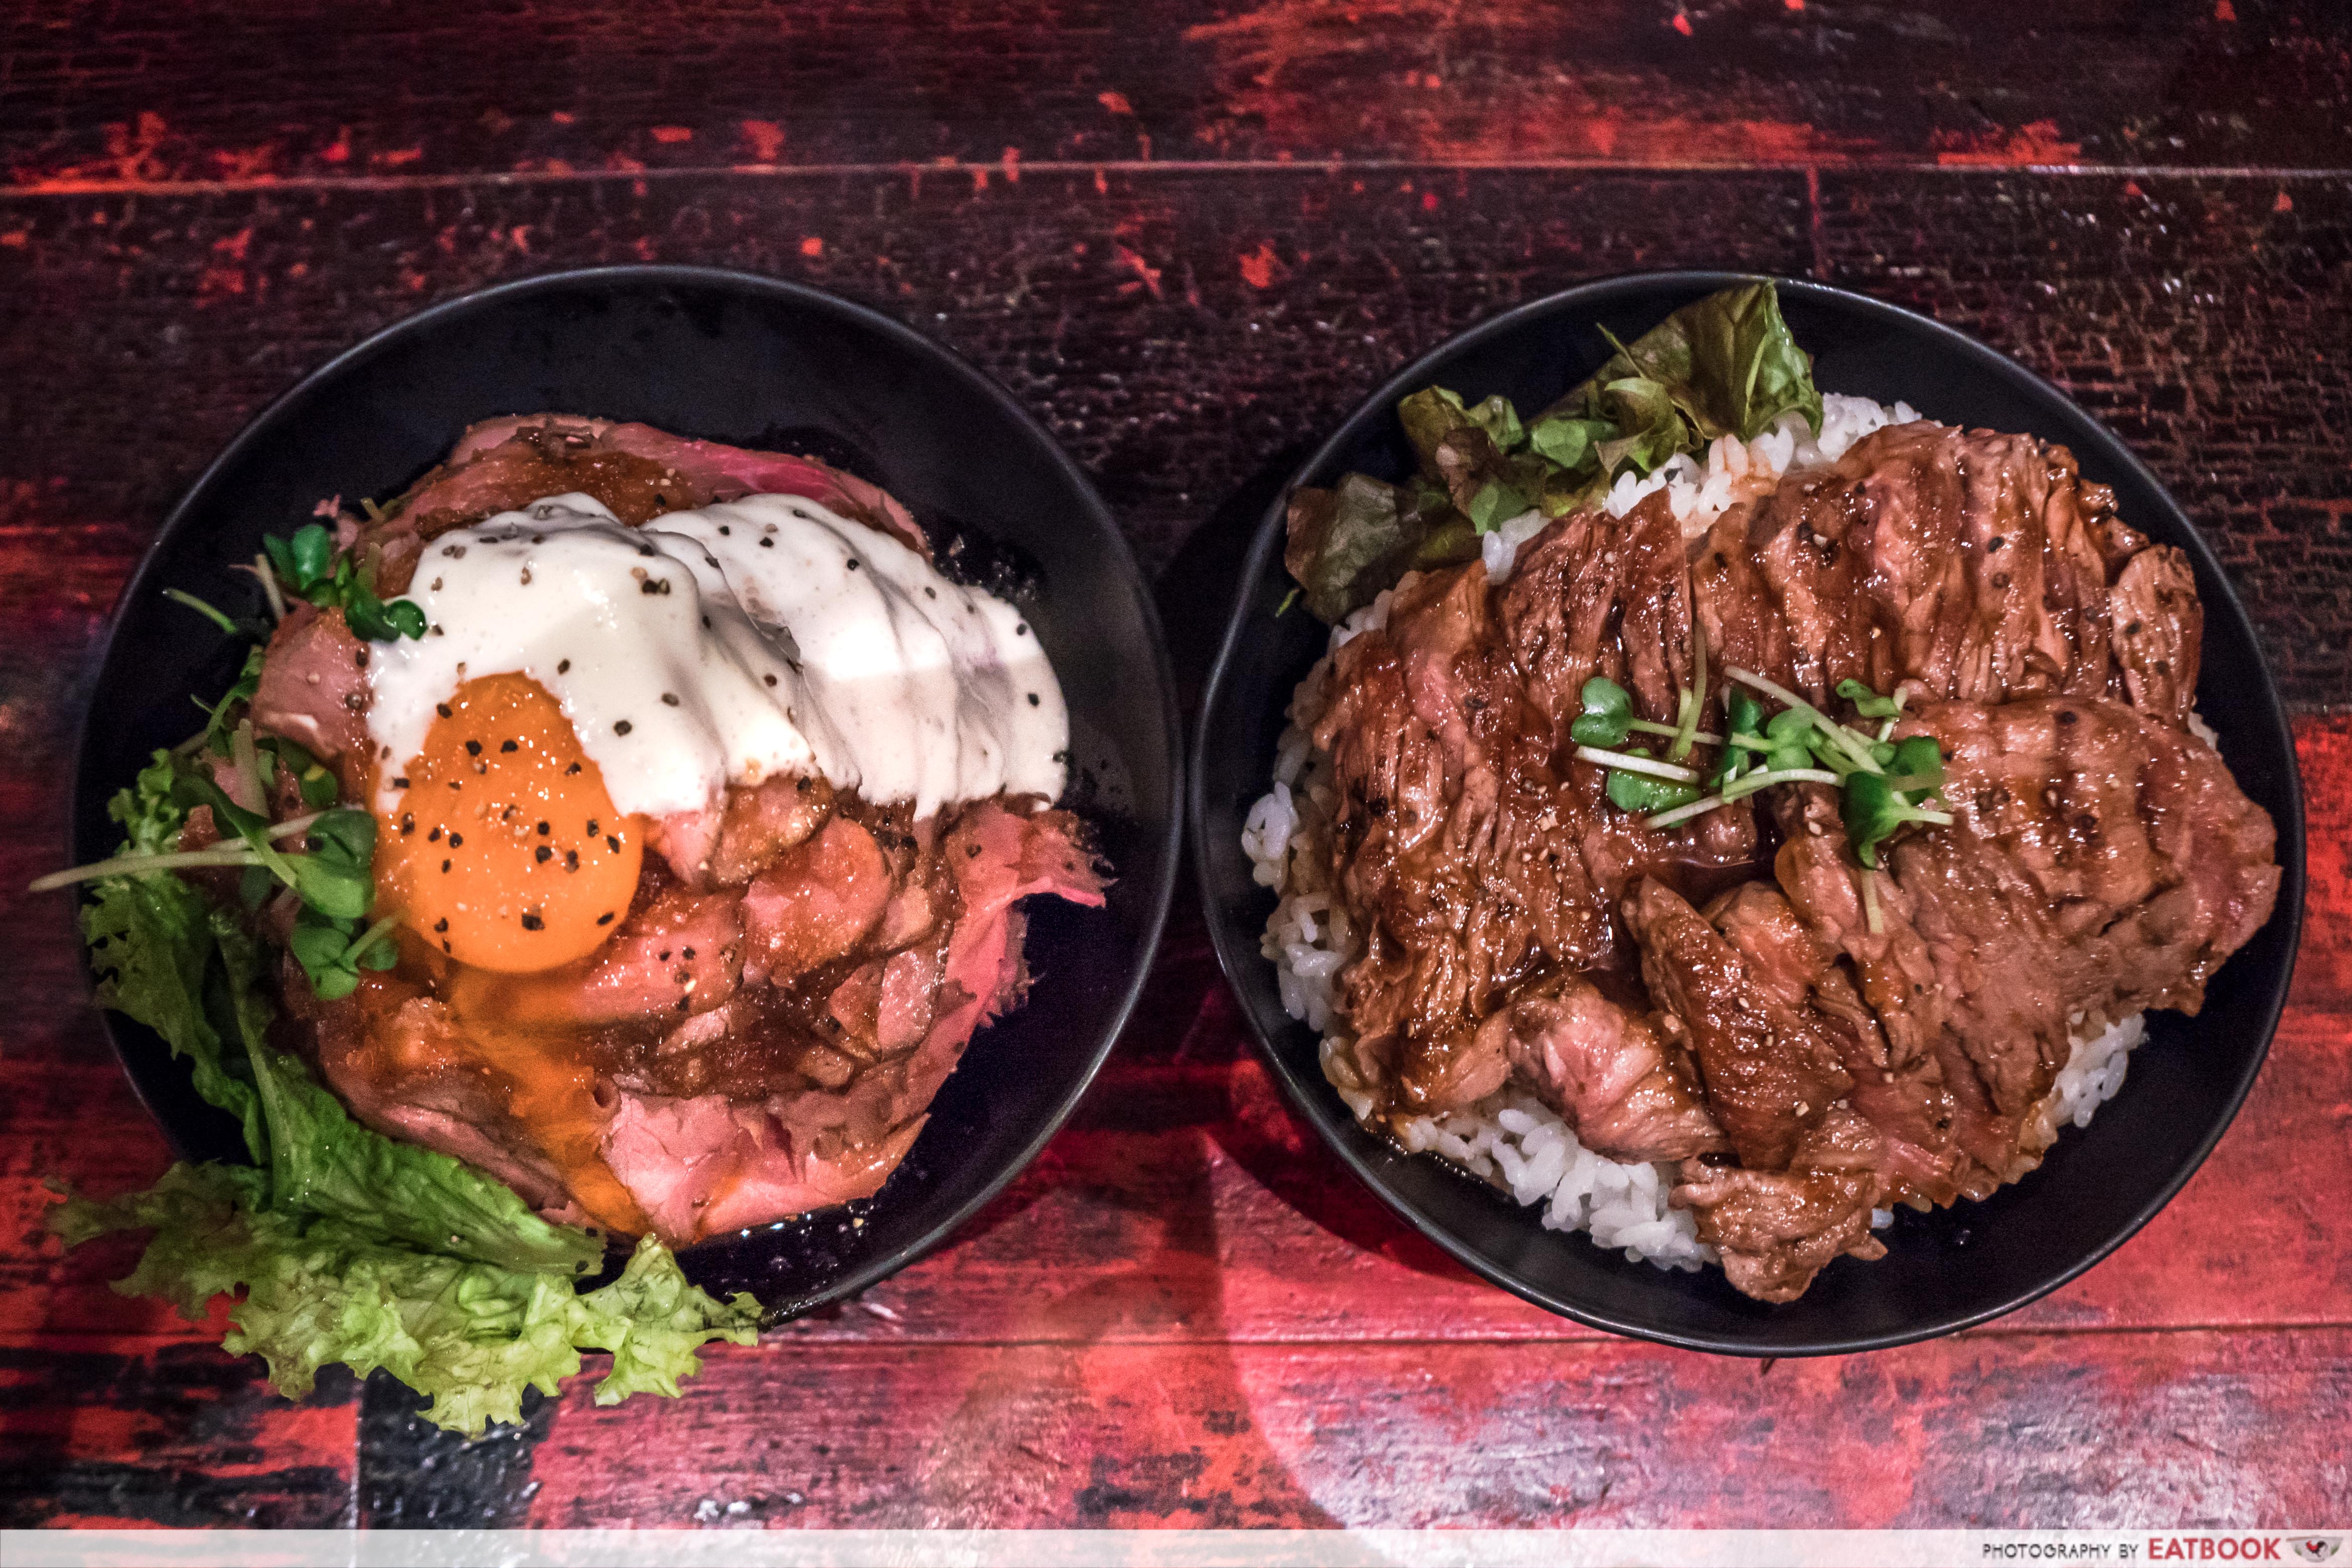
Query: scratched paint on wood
[[612, 89]]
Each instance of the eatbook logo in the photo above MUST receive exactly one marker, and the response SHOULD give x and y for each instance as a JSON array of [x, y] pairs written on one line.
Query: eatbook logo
[[2318, 1548]]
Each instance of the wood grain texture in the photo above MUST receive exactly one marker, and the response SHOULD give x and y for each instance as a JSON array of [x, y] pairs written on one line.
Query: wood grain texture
[[100, 95], [1192, 234]]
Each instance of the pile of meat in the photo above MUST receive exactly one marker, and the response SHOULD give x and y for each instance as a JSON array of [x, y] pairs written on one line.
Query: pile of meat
[[1715, 994], [798, 974]]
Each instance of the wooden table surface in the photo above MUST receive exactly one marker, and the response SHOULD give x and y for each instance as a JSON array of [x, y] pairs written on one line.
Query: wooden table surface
[[1191, 234]]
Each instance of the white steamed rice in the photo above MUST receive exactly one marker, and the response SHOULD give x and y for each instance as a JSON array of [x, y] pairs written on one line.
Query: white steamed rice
[[1511, 1139]]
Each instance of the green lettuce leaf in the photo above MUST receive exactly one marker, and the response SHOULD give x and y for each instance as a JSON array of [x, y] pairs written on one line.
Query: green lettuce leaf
[[348, 1245], [1728, 363], [1347, 544], [1724, 364], [154, 945], [319, 1291]]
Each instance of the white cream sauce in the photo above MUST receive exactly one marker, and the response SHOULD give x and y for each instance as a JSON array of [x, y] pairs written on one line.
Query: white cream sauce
[[721, 645]]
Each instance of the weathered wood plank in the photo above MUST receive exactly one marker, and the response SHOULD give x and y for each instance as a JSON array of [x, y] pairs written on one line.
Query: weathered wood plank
[[291, 89], [2134, 1430]]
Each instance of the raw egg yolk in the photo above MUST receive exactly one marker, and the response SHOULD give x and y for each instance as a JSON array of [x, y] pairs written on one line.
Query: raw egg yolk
[[506, 851]]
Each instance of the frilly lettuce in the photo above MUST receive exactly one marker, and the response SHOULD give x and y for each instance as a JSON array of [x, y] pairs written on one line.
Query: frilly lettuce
[[348, 1245], [1726, 364]]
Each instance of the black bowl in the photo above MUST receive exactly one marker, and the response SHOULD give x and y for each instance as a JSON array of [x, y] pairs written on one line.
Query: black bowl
[[1945, 1270], [760, 363]]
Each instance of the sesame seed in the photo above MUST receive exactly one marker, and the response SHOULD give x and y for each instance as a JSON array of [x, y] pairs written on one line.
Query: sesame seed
[[563, 668], [445, 865], [605, 918], [669, 699], [613, 842]]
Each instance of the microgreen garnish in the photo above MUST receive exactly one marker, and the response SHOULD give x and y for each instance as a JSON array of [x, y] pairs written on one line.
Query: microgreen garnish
[[309, 564], [181, 596], [1883, 783]]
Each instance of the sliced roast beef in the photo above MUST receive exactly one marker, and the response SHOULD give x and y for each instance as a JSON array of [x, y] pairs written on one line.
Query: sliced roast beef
[[1777, 1230], [1975, 564], [708, 1163], [635, 470], [1622, 1088], [314, 688]]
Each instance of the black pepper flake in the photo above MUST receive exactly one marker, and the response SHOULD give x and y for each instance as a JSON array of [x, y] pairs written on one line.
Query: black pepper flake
[[683, 1003], [400, 783], [445, 865], [457, 841], [443, 709], [853, 563], [408, 822], [544, 854], [669, 699], [563, 667], [1033, 699], [542, 829], [473, 748], [767, 544], [770, 679], [723, 529], [622, 727], [571, 859], [613, 842], [507, 746], [931, 593], [444, 947], [605, 918], [662, 957], [571, 770], [654, 585], [1021, 629], [973, 850], [2067, 715], [646, 550], [441, 925], [531, 921], [434, 837], [686, 953], [592, 829]]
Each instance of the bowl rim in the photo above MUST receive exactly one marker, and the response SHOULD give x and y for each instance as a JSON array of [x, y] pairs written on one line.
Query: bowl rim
[[139, 588], [1314, 1099]]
